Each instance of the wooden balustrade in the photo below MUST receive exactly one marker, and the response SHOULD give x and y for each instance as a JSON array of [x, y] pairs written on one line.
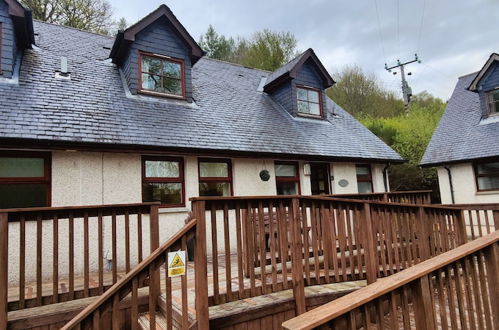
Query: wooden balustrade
[[456, 289], [65, 246], [281, 242], [478, 219], [406, 197], [106, 312]]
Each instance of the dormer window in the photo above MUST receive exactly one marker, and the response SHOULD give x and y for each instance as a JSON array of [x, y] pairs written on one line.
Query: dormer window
[[493, 102], [309, 101], [162, 76]]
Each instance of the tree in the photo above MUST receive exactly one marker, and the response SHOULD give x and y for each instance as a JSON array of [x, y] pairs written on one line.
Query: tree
[[122, 24], [265, 50], [362, 95], [217, 46], [269, 50], [90, 15]]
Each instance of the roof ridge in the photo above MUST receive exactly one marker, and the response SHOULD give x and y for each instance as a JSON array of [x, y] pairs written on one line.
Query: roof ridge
[[234, 64], [73, 28]]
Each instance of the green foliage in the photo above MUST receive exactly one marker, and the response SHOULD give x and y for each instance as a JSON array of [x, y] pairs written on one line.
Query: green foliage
[[409, 134], [90, 15], [362, 95], [265, 50]]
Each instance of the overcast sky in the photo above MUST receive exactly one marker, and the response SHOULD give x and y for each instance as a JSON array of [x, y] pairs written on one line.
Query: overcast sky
[[456, 37]]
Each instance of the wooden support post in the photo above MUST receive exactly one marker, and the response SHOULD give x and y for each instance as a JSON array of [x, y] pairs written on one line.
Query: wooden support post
[[370, 254], [423, 302], [492, 266], [201, 266], [154, 285], [495, 214], [425, 228], [297, 261], [4, 274], [461, 228]]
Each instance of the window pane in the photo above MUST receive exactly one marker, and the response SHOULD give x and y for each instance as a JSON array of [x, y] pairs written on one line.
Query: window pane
[[313, 96], [11, 167], [23, 195], [165, 193], [364, 187], [301, 93], [362, 171], [495, 107], [171, 69], [213, 170], [287, 188], [214, 189], [303, 107], [285, 170], [488, 168], [151, 82], [495, 96], [172, 86], [314, 109], [487, 183], [162, 169], [152, 65]]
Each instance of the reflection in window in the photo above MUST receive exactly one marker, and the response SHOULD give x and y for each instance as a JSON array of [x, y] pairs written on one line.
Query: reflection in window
[[163, 181], [215, 177], [308, 101], [161, 75], [487, 176], [364, 178], [493, 102], [287, 178], [24, 180]]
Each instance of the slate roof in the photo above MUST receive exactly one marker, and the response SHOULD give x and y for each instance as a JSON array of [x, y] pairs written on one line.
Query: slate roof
[[462, 134], [229, 113]]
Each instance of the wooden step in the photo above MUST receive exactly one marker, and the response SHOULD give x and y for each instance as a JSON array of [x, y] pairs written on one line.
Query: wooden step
[[160, 321]]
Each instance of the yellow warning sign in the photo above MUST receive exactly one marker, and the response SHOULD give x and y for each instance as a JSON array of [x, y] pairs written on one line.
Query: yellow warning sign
[[176, 263]]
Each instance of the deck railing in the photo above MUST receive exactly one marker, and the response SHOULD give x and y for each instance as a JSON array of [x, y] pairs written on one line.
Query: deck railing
[[457, 289], [65, 246], [254, 245], [409, 197], [105, 312]]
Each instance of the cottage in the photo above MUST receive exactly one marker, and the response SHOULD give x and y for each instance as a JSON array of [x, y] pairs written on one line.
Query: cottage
[[467, 163]]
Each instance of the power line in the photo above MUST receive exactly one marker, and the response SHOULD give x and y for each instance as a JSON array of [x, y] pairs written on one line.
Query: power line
[[421, 26], [379, 30]]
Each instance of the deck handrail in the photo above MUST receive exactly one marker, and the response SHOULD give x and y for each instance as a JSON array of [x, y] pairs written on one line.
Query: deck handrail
[[348, 303], [71, 232], [147, 269]]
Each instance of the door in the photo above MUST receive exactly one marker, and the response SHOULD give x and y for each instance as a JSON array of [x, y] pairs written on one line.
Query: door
[[319, 178]]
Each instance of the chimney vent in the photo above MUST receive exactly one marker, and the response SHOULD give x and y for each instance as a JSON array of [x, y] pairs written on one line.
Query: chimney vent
[[63, 73]]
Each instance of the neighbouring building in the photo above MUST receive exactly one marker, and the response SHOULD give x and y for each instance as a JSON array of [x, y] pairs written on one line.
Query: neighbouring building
[[88, 119], [462, 147]]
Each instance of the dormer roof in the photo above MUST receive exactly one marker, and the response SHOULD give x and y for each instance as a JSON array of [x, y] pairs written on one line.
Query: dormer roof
[[291, 69], [125, 38], [23, 24], [475, 83]]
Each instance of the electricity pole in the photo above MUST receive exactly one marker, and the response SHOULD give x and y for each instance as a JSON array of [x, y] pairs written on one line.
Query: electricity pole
[[406, 90]]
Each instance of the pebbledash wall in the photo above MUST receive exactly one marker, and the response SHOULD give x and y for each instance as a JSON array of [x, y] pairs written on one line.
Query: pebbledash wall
[[93, 178], [464, 186]]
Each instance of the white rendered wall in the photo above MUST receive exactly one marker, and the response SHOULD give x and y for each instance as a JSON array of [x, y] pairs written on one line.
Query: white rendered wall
[[464, 184]]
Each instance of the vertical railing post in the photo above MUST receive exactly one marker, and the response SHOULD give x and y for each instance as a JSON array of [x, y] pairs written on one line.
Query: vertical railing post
[[154, 285], [385, 197], [492, 266], [495, 215], [201, 266], [423, 302], [297, 259], [370, 255], [4, 253], [425, 230], [461, 227]]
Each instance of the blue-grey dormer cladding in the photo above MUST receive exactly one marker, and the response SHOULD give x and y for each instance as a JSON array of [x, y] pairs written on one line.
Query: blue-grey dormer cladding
[[157, 38], [8, 49], [489, 82], [284, 96], [308, 76]]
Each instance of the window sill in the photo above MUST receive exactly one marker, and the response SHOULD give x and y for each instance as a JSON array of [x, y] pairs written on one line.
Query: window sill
[[166, 96], [166, 210], [488, 192], [309, 116]]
